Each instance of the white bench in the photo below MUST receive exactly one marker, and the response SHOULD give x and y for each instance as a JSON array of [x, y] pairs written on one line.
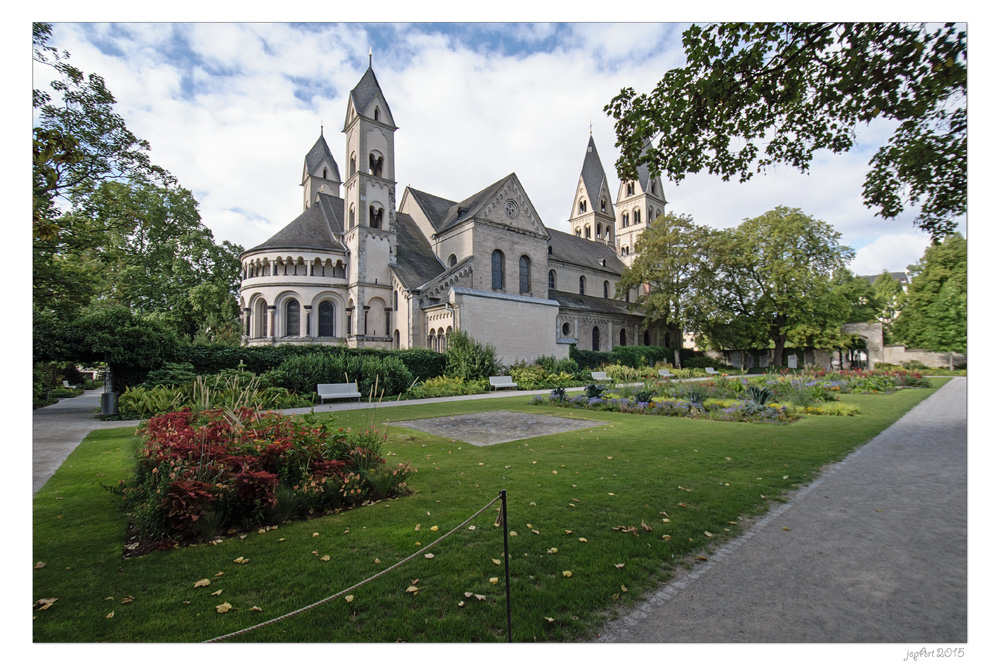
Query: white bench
[[711, 371], [665, 373], [338, 391], [599, 375], [497, 382]]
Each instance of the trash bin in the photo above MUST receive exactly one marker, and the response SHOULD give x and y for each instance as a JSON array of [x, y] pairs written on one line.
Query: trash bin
[[109, 403]]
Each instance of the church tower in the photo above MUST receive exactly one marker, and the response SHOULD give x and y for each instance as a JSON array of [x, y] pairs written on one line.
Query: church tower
[[369, 212], [639, 202], [592, 216], [319, 173]]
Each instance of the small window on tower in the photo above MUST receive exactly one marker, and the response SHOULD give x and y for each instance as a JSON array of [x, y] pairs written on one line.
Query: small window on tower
[[583, 205], [604, 205], [377, 114]]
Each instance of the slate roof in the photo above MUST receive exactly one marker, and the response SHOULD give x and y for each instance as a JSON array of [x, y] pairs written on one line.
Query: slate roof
[[593, 173], [316, 228], [416, 263], [591, 303], [470, 206], [315, 157], [435, 207], [366, 90], [569, 248]]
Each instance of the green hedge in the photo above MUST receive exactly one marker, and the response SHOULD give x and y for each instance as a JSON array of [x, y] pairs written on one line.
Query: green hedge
[[630, 356], [301, 373]]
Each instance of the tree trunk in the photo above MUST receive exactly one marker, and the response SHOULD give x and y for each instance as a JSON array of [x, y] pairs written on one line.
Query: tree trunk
[[778, 336], [677, 357]]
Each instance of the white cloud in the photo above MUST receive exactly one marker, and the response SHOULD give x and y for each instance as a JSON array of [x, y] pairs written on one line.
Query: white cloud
[[232, 109], [892, 252]]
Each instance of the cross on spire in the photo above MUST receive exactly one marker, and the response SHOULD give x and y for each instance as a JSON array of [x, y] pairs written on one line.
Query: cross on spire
[[369, 56]]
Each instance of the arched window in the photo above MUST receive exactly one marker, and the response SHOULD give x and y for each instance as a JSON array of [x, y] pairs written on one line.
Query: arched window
[[583, 285], [377, 114], [627, 295], [604, 205], [552, 279], [524, 274], [595, 338], [586, 232], [292, 318], [566, 329], [395, 300], [351, 216], [621, 337], [550, 250], [375, 216], [583, 205], [630, 189], [354, 163], [498, 276], [395, 340], [650, 217], [375, 164], [324, 173], [636, 216], [624, 219], [578, 232], [600, 231], [652, 187], [260, 319], [324, 322], [606, 289], [452, 260]]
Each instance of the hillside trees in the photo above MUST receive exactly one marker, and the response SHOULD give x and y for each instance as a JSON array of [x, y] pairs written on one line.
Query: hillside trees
[[753, 95]]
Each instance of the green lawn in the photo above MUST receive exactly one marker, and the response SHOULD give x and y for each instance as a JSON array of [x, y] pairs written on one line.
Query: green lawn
[[626, 472]]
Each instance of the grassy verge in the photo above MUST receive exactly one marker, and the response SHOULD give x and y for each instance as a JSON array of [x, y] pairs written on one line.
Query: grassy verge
[[626, 471]]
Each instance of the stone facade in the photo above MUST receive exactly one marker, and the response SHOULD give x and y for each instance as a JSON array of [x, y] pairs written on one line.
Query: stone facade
[[354, 270]]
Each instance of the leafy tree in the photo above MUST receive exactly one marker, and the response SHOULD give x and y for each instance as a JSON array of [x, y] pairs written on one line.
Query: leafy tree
[[469, 359], [889, 293], [665, 273], [934, 310], [755, 95], [160, 260], [773, 274]]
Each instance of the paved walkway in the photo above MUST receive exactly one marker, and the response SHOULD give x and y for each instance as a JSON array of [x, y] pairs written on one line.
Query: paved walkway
[[874, 550]]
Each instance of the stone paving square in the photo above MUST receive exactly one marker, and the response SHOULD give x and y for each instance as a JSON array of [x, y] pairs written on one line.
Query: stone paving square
[[499, 426]]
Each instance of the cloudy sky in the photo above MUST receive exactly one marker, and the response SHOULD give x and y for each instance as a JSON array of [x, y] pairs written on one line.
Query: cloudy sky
[[231, 110]]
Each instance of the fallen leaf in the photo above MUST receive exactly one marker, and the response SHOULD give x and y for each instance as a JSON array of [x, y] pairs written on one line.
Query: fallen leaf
[[414, 581], [708, 534], [569, 532], [428, 556], [610, 494], [239, 560], [667, 537], [280, 539], [224, 607], [203, 582], [45, 603], [702, 558], [785, 528], [412, 589], [110, 615], [434, 529], [494, 580], [315, 534], [496, 561], [536, 532], [553, 550], [325, 558], [417, 527], [551, 619], [583, 539], [468, 595], [480, 597], [555, 472], [377, 560], [567, 574], [624, 589], [513, 534], [472, 527], [619, 565], [645, 527], [128, 600], [255, 608], [218, 592], [218, 574], [349, 599], [39, 565]]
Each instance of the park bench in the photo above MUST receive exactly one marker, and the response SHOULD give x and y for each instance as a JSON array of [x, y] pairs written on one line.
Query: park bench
[[599, 375], [501, 381], [338, 391], [711, 371], [665, 373]]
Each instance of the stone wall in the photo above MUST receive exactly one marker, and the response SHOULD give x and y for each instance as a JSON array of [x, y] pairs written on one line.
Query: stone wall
[[901, 354], [520, 328]]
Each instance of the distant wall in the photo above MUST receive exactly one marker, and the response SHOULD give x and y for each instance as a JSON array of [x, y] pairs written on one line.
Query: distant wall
[[901, 354]]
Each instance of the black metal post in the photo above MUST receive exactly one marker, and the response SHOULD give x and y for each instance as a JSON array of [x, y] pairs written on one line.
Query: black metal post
[[506, 557]]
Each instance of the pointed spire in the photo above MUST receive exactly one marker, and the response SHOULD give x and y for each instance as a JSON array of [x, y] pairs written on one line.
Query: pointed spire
[[369, 57]]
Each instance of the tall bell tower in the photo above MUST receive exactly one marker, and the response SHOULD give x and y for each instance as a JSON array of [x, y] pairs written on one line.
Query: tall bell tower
[[369, 208], [639, 202], [593, 216]]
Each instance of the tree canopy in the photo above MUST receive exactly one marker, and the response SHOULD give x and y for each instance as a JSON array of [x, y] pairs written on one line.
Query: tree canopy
[[934, 313], [771, 278], [753, 95], [668, 263]]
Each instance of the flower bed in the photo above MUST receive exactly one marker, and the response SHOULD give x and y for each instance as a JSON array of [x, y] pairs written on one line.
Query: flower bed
[[198, 474], [739, 411]]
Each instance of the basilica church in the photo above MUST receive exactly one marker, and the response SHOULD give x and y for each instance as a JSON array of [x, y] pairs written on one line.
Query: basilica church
[[357, 269]]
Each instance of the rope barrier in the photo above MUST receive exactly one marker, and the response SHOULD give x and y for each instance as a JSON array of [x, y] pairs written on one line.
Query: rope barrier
[[357, 585]]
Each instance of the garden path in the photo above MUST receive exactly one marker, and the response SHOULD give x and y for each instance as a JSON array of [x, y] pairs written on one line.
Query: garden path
[[875, 550]]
